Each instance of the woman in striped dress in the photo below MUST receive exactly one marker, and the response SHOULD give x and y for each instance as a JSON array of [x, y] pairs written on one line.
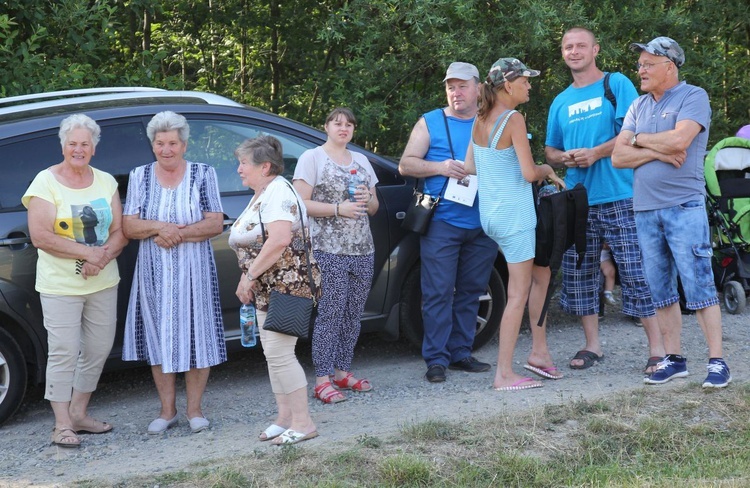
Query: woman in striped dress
[[501, 157], [174, 315]]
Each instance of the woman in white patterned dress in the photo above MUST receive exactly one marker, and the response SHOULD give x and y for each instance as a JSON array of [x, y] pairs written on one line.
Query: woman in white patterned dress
[[174, 316]]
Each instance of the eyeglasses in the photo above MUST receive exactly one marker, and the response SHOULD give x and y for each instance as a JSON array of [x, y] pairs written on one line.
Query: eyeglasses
[[648, 66]]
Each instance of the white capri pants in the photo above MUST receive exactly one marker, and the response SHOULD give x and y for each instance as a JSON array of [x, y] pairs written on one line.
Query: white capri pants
[[80, 333], [284, 369]]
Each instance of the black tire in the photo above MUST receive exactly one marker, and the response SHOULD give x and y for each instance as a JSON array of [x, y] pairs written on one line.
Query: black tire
[[13, 376], [734, 297], [491, 306]]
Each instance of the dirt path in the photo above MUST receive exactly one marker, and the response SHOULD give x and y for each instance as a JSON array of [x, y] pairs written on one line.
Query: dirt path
[[239, 402]]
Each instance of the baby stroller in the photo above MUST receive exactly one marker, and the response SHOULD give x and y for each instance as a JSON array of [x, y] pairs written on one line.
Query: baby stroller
[[727, 173]]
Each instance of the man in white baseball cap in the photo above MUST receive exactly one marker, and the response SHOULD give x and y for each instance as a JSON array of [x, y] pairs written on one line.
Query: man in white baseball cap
[[450, 296]]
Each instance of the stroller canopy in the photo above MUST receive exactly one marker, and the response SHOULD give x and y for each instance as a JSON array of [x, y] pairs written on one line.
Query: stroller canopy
[[727, 168]]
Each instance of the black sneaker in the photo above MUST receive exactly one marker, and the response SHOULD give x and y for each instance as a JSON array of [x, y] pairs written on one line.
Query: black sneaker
[[470, 365], [435, 373]]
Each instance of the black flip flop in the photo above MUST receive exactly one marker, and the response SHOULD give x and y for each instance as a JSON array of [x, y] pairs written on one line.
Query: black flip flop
[[588, 358]]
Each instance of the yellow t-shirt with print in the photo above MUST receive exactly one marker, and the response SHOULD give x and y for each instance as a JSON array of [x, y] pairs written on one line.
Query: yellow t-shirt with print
[[83, 215]]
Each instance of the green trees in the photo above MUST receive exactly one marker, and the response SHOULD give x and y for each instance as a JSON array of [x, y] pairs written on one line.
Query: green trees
[[383, 58]]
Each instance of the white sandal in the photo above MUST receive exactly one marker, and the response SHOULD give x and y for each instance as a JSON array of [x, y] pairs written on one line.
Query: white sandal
[[271, 432], [292, 437]]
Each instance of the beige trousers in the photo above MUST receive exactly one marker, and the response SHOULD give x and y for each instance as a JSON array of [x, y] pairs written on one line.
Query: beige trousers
[[80, 333], [284, 369]]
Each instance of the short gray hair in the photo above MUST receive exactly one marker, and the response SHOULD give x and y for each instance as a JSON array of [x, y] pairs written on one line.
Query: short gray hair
[[79, 121], [262, 149], [168, 121]]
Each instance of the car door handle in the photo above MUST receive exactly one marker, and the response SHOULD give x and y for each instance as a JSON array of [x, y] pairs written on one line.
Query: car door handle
[[13, 241]]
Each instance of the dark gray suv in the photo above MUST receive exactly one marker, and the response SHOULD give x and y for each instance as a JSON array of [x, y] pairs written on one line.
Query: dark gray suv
[[29, 143]]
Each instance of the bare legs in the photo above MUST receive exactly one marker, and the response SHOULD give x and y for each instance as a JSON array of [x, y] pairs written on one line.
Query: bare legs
[[519, 284], [195, 385], [293, 411], [670, 323], [539, 355]]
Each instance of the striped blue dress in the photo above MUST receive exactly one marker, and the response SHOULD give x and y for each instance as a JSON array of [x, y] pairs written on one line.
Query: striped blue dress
[[506, 201], [174, 314]]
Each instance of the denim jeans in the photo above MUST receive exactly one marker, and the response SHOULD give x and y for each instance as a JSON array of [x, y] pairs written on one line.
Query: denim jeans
[[456, 266], [676, 240]]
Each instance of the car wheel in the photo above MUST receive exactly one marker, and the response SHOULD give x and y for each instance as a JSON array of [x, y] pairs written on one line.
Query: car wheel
[[734, 297], [13, 377], [491, 306]]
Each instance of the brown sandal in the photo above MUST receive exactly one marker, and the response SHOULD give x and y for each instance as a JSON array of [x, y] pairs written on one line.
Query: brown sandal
[[94, 427], [328, 394], [61, 439]]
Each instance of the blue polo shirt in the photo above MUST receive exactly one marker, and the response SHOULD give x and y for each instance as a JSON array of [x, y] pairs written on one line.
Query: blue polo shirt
[[658, 184]]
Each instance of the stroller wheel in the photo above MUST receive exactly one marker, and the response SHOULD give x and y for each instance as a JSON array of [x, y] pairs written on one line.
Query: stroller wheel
[[734, 297]]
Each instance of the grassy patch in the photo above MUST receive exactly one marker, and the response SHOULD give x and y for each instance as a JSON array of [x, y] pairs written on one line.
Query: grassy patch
[[644, 438]]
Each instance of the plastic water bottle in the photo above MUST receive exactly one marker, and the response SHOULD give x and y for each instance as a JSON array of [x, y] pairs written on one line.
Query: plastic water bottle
[[248, 325], [354, 182]]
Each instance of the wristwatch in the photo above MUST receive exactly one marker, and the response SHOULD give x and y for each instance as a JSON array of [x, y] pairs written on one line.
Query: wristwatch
[[634, 140]]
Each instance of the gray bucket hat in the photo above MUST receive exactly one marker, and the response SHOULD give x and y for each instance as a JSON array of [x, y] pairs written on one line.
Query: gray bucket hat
[[662, 46], [508, 69]]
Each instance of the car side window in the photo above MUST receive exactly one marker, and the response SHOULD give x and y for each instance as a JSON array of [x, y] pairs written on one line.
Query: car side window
[[22, 160], [214, 141], [122, 147]]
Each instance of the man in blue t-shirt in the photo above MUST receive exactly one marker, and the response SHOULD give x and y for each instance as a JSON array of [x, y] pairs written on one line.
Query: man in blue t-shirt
[[450, 295], [664, 137], [581, 129]]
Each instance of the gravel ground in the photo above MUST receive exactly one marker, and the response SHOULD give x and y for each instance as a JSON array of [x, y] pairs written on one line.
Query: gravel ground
[[239, 402]]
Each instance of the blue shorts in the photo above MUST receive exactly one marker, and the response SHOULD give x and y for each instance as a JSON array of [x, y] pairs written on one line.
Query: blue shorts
[[614, 223], [676, 240], [518, 247]]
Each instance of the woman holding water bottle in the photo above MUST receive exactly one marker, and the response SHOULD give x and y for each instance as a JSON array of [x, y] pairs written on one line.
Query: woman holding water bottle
[[270, 245], [338, 189]]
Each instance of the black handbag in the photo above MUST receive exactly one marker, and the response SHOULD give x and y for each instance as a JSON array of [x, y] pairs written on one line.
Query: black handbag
[[422, 206], [420, 211], [290, 314]]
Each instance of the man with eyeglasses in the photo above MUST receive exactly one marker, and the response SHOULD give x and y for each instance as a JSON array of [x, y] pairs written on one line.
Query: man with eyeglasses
[[582, 125], [663, 138]]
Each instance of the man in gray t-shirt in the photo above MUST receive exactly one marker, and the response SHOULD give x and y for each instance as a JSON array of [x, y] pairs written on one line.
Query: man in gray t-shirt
[[663, 139]]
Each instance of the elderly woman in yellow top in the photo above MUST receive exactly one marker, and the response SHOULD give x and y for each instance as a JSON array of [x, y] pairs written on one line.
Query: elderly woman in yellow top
[[75, 220], [174, 315]]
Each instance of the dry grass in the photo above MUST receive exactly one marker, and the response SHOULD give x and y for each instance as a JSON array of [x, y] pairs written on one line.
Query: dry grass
[[643, 438]]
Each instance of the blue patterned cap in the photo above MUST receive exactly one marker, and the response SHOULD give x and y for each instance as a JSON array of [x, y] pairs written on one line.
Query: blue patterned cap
[[662, 46]]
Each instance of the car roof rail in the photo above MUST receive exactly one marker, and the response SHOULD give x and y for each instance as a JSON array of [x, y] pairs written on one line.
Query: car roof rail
[[76, 93], [109, 98]]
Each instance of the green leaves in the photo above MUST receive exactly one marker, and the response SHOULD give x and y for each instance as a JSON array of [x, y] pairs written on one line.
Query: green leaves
[[383, 58]]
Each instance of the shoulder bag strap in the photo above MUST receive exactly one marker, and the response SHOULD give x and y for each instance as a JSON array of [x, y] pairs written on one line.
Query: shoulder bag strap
[[306, 244]]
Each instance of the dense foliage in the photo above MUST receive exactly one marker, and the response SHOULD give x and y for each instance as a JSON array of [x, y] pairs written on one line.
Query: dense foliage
[[383, 58]]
